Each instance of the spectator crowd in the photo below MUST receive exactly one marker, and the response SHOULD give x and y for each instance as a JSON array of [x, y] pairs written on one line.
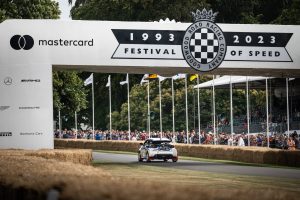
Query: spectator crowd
[[280, 141]]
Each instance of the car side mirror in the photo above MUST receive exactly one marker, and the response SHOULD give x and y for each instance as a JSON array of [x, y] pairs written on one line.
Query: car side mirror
[[141, 144]]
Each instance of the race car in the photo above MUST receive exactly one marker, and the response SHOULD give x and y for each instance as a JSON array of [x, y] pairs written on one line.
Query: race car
[[157, 148]]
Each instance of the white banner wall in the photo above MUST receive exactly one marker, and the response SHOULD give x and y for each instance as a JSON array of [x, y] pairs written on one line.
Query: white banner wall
[[145, 47], [30, 48], [26, 106]]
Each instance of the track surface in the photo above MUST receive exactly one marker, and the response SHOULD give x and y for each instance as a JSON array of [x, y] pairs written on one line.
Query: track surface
[[216, 167]]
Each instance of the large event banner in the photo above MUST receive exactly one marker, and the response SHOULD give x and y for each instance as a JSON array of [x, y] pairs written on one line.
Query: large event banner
[[29, 49], [26, 118], [113, 46]]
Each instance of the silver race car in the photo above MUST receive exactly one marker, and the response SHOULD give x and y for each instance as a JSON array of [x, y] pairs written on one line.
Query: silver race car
[[157, 148]]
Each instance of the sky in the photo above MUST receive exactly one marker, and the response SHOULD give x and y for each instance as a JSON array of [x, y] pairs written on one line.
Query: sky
[[65, 9]]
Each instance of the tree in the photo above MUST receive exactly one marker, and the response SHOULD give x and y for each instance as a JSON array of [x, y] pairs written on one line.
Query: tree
[[257, 11], [28, 9], [69, 95], [290, 14], [118, 92], [139, 107], [135, 10], [139, 112]]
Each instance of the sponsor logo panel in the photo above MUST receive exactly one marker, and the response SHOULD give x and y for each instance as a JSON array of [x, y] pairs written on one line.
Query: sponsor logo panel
[[26, 42], [2, 108], [18, 42], [31, 133], [30, 80], [8, 81], [29, 107], [5, 134]]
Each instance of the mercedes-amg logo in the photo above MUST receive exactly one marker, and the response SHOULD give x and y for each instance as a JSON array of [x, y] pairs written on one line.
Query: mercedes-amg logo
[[2, 108], [8, 81], [18, 42]]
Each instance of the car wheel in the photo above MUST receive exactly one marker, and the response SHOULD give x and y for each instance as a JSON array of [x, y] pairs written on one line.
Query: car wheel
[[147, 157], [175, 159], [140, 159]]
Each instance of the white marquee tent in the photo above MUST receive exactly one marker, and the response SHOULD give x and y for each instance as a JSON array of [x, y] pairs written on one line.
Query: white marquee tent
[[229, 80], [226, 80]]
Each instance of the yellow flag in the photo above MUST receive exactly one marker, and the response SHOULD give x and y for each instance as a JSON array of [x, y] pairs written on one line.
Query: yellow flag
[[151, 76], [192, 77]]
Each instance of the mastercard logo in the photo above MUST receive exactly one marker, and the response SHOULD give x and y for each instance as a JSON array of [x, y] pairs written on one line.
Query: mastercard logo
[[18, 42]]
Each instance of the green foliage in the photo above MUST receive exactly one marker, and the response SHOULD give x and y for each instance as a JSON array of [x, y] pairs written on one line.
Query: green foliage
[[257, 11], [135, 10], [139, 107], [28, 9], [69, 95], [230, 11], [101, 93], [290, 14]]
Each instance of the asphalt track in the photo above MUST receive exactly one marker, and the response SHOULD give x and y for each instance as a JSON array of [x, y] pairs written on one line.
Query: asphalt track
[[217, 167]]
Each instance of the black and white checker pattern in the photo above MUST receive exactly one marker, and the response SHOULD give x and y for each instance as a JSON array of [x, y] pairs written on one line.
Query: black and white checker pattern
[[204, 45]]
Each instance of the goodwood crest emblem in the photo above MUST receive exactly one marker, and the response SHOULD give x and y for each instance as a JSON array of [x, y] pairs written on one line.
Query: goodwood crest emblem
[[204, 45]]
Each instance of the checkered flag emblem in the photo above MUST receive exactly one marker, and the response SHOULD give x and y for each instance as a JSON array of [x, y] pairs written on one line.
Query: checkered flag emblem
[[204, 45]]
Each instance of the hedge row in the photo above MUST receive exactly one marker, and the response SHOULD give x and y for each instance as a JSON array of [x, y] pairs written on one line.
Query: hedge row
[[256, 155]]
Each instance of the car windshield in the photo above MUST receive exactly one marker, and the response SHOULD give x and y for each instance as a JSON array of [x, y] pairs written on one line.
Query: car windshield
[[155, 144]]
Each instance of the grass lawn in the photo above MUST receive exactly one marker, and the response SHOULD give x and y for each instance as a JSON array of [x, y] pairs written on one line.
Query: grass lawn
[[200, 179]]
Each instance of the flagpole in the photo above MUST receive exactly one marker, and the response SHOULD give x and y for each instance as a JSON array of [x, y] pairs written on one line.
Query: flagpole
[[214, 110], [173, 109], [76, 125], [129, 133], [160, 111], [267, 111], [287, 107], [186, 112], [93, 105], [198, 99], [231, 110], [59, 124], [148, 89], [110, 123], [248, 114]]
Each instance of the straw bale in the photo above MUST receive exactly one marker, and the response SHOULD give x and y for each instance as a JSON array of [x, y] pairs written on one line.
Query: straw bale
[[246, 155], [75, 155], [33, 177], [272, 157], [257, 155]]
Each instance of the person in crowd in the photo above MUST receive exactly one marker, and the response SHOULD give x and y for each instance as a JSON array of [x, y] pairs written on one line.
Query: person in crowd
[[285, 144], [241, 142], [291, 144], [230, 141]]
